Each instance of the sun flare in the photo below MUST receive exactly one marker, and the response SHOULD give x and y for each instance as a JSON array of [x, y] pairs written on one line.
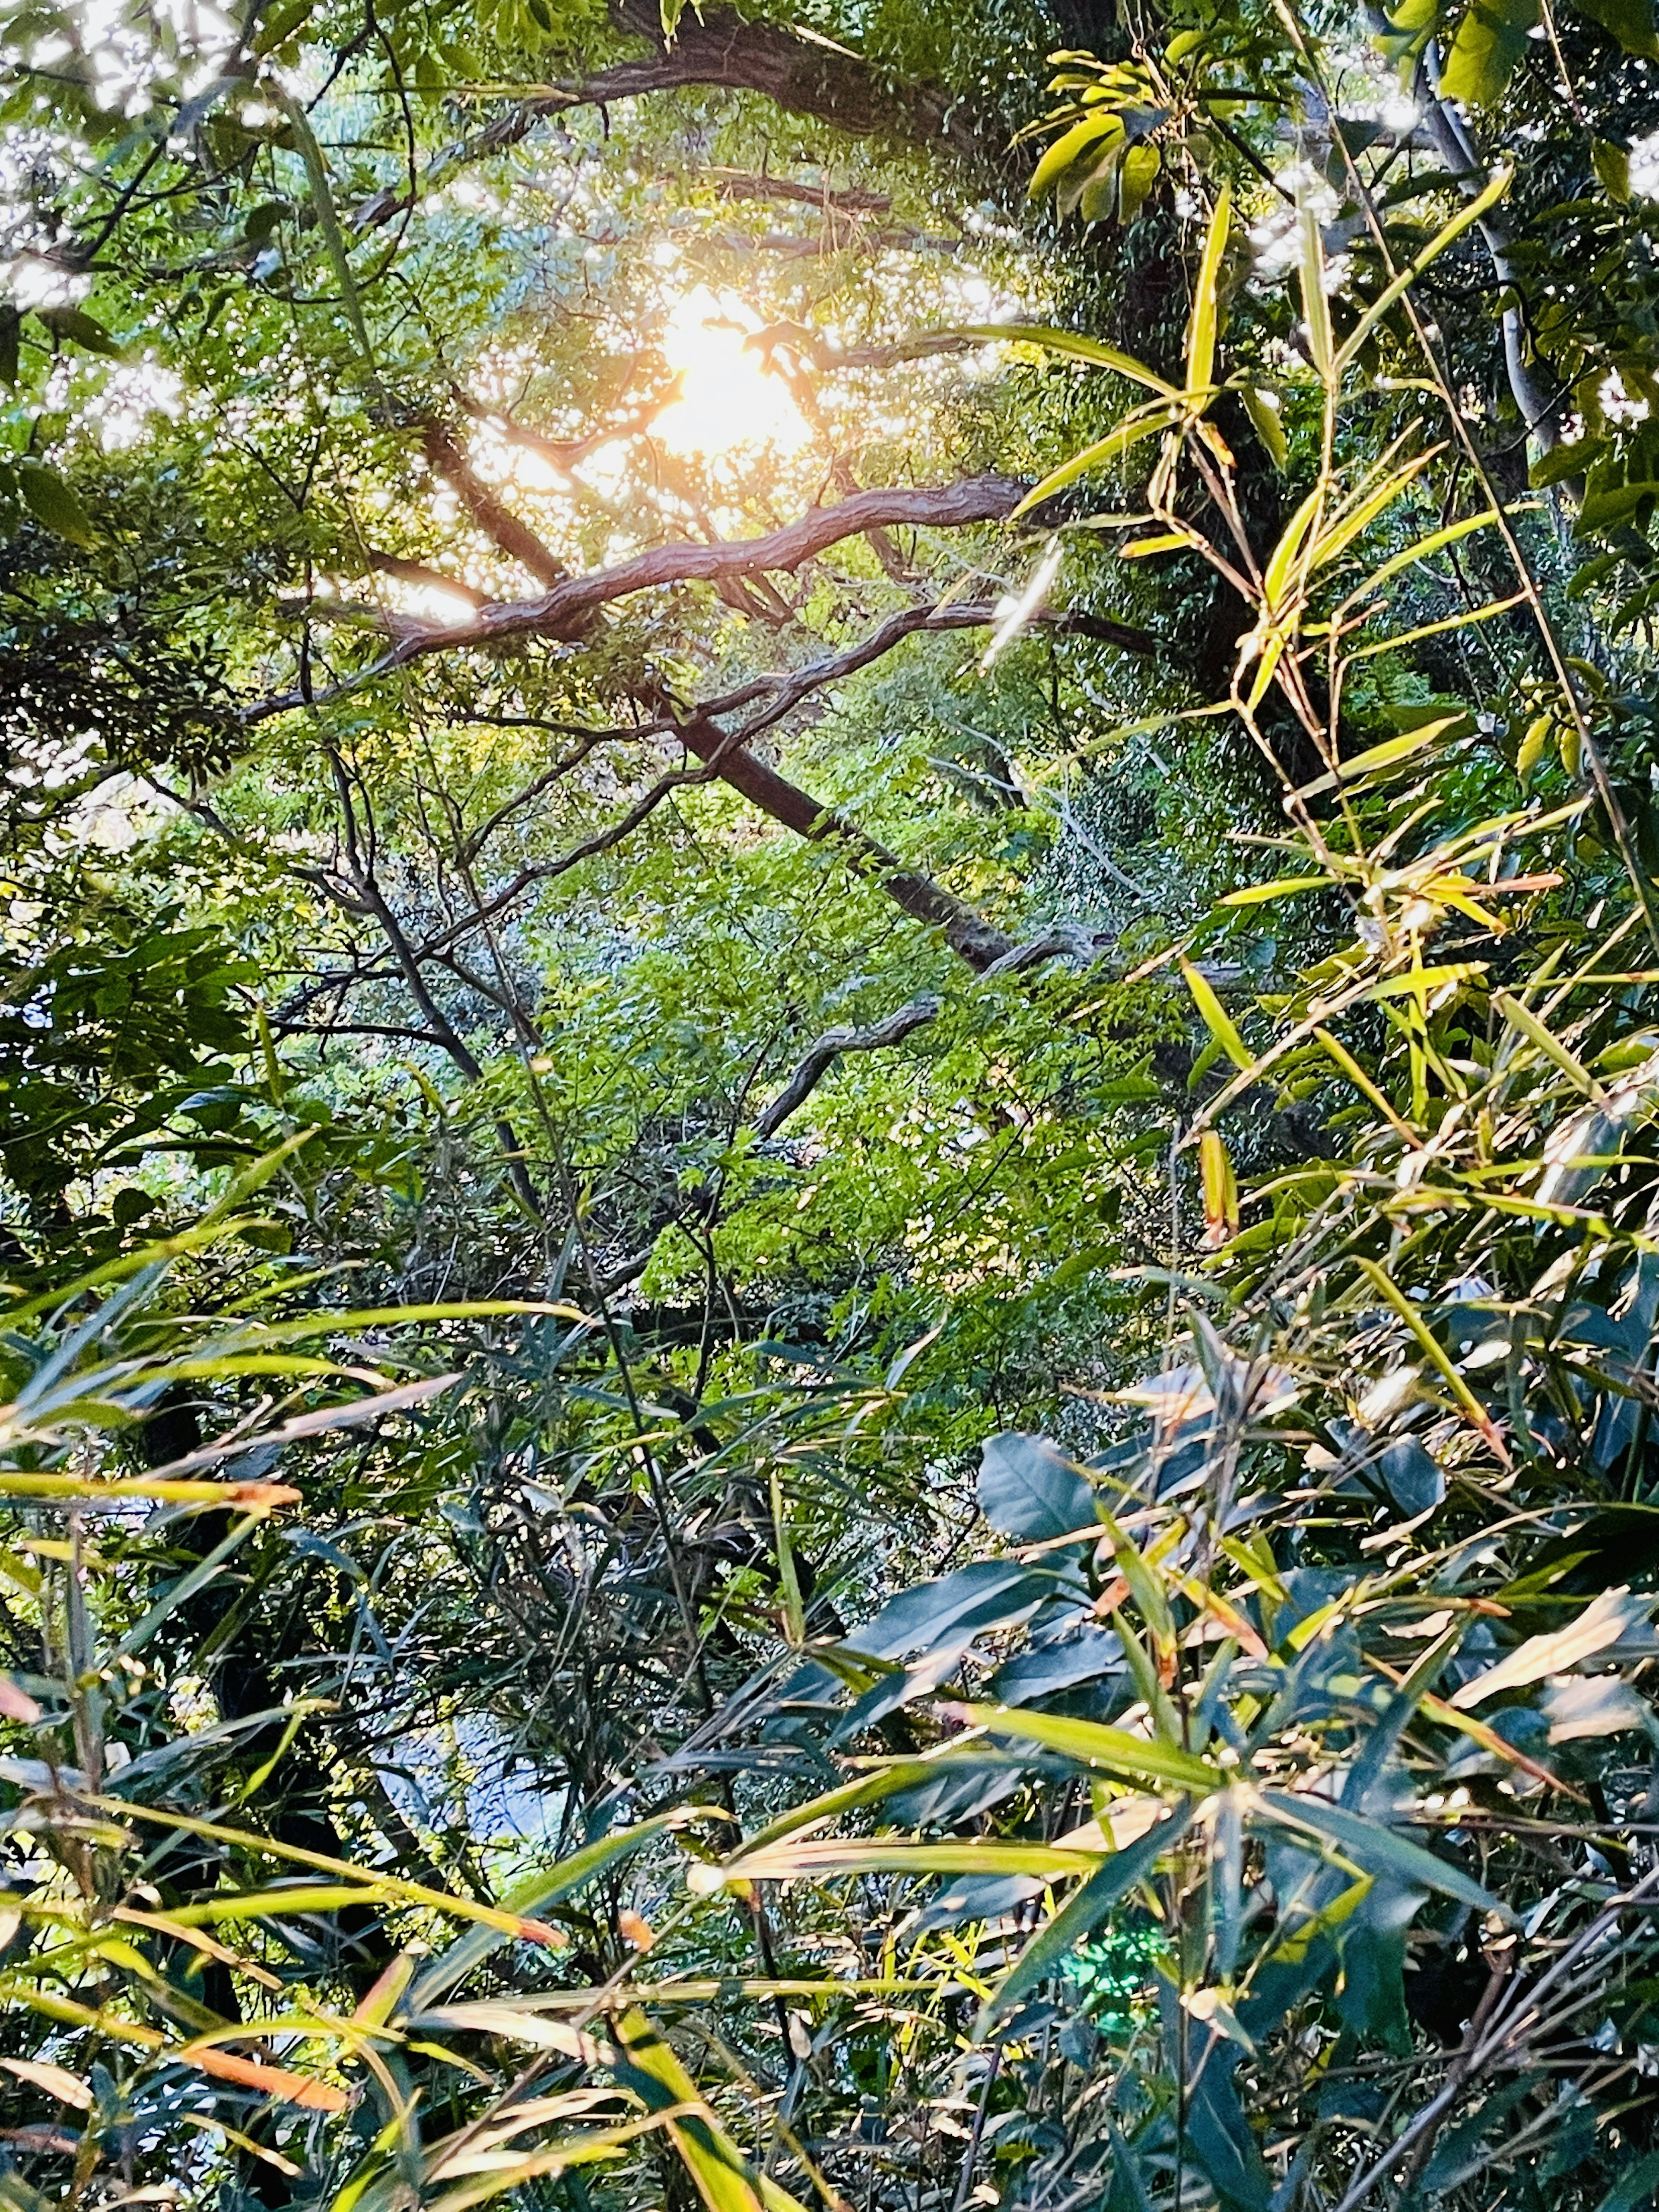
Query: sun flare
[[729, 402]]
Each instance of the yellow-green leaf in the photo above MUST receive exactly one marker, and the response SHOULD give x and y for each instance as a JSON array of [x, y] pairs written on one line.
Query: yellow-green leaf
[[1387, 755], [53, 505], [1066, 148], [1094, 1744], [1100, 455], [1268, 424], [1071, 346], [1204, 326], [1216, 1017], [1282, 887], [1316, 306]]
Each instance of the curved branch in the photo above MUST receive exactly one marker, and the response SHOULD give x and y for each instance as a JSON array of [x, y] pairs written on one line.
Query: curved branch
[[721, 51], [562, 614], [822, 1055]]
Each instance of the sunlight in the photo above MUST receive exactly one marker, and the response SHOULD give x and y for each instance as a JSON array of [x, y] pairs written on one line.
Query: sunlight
[[729, 402]]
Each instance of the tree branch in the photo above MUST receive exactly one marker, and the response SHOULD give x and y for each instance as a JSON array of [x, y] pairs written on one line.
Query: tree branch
[[724, 51], [968, 934], [564, 613], [497, 520], [822, 1055]]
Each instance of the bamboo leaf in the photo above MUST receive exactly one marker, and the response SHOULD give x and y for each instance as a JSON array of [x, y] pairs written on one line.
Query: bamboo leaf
[[53, 504], [1071, 346], [1216, 1017], [1315, 305], [1112, 448], [1438, 1359], [1602, 1622], [1281, 563], [1282, 887], [1202, 330], [1483, 201], [647, 2063], [1378, 1849], [1092, 1743], [1375, 758], [1424, 549], [1331, 543], [1220, 1190], [1082, 1914], [1522, 1018], [818, 1857], [271, 2081]]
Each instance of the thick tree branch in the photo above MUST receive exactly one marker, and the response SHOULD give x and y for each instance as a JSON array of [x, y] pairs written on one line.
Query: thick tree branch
[[720, 51], [564, 613], [968, 934], [738, 185], [725, 754]]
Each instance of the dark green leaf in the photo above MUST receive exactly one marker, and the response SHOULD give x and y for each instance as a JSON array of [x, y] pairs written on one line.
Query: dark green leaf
[[53, 504], [1028, 1489]]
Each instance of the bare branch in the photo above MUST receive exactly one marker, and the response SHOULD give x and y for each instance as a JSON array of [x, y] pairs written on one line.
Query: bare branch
[[497, 520], [417, 572], [564, 453], [564, 613], [822, 1055]]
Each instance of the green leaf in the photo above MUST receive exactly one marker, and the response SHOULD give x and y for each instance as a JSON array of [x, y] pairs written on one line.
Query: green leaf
[[1282, 887], [53, 505], [1491, 39], [281, 23], [1206, 299], [1137, 173], [1387, 755], [1634, 2188], [1082, 1914], [1092, 1743], [81, 329], [1071, 345], [1630, 22], [1216, 1017], [1268, 424], [1378, 1849], [1066, 148], [1612, 165], [1031, 1489]]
